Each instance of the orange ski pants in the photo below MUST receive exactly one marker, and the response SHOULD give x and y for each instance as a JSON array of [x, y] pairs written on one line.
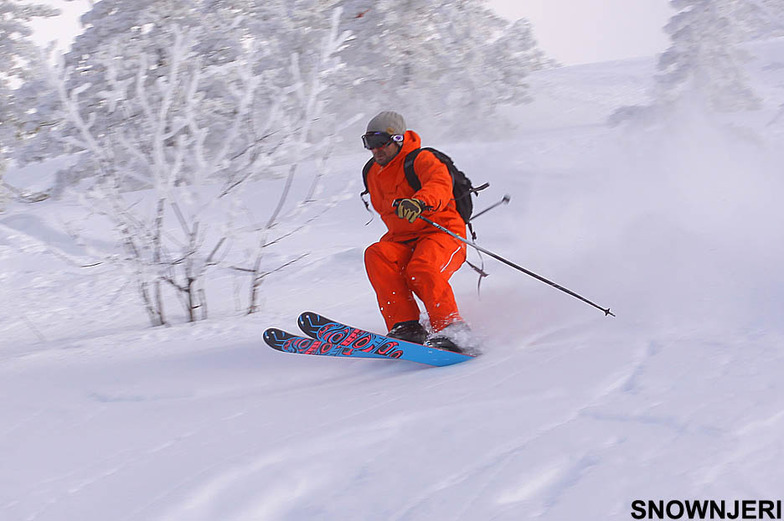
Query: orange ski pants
[[398, 271]]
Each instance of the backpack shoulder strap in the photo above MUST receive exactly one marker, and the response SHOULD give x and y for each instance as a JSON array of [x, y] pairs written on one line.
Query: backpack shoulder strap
[[363, 195], [365, 171], [408, 168]]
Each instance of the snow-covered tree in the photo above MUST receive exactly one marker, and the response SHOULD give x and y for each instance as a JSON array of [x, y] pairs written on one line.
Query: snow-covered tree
[[186, 127], [704, 64], [521, 56], [758, 19], [705, 56], [16, 47], [105, 58], [20, 57], [117, 32], [141, 27], [454, 59]]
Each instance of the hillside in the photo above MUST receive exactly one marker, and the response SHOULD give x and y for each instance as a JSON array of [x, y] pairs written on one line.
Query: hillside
[[566, 415]]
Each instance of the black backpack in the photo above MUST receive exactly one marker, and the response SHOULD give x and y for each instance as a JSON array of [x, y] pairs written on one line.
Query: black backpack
[[461, 184]]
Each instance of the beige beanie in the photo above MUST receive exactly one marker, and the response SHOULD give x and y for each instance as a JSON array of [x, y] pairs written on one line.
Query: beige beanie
[[390, 122]]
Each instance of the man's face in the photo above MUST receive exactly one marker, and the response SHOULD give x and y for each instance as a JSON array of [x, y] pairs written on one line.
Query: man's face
[[385, 153]]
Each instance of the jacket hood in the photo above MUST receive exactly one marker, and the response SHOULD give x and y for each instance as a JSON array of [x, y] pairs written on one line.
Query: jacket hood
[[412, 139]]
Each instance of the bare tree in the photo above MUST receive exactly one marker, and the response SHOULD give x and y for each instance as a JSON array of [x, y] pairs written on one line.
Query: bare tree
[[309, 97], [188, 140], [170, 146]]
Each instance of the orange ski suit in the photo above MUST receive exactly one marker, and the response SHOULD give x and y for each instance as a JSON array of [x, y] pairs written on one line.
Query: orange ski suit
[[415, 258]]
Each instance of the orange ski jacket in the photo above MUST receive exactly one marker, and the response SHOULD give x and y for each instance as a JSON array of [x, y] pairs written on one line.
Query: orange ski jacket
[[388, 183]]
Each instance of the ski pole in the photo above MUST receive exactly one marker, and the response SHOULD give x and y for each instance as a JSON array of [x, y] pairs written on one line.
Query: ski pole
[[497, 257], [505, 200]]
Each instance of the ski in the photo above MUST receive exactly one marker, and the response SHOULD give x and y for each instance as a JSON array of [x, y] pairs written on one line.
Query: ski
[[287, 343], [336, 333]]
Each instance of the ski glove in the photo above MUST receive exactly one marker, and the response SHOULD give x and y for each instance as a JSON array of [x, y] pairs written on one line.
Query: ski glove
[[409, 209]]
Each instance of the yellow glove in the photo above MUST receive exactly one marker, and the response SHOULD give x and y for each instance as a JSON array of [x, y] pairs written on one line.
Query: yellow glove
[[409, 209]]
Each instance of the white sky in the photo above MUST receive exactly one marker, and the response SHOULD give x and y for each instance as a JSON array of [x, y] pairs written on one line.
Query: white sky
[[63, 28], [570, 31], [585, 31]]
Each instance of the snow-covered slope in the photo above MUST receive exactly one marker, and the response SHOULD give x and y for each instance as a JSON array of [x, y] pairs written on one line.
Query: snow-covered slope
[[567, 415]]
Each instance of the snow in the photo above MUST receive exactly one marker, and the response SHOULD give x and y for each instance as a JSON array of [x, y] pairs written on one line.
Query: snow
[[567, 414]]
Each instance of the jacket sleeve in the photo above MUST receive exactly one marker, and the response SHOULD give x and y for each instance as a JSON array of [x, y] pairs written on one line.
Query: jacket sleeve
[[436, 191]]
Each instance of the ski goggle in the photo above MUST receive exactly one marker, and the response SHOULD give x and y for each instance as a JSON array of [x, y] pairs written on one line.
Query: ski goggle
[[373, 140]]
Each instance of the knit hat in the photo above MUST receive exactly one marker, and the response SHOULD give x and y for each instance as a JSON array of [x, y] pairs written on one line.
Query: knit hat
[[390, 122]]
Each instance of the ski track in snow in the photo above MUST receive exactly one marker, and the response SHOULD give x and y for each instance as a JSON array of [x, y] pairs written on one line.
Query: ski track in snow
[[552, 486]]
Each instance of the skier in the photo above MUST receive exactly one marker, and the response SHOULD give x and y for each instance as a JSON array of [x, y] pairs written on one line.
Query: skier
[[413, 257]]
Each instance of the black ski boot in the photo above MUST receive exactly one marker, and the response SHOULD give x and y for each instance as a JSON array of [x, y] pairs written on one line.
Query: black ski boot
[[410, 331]]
